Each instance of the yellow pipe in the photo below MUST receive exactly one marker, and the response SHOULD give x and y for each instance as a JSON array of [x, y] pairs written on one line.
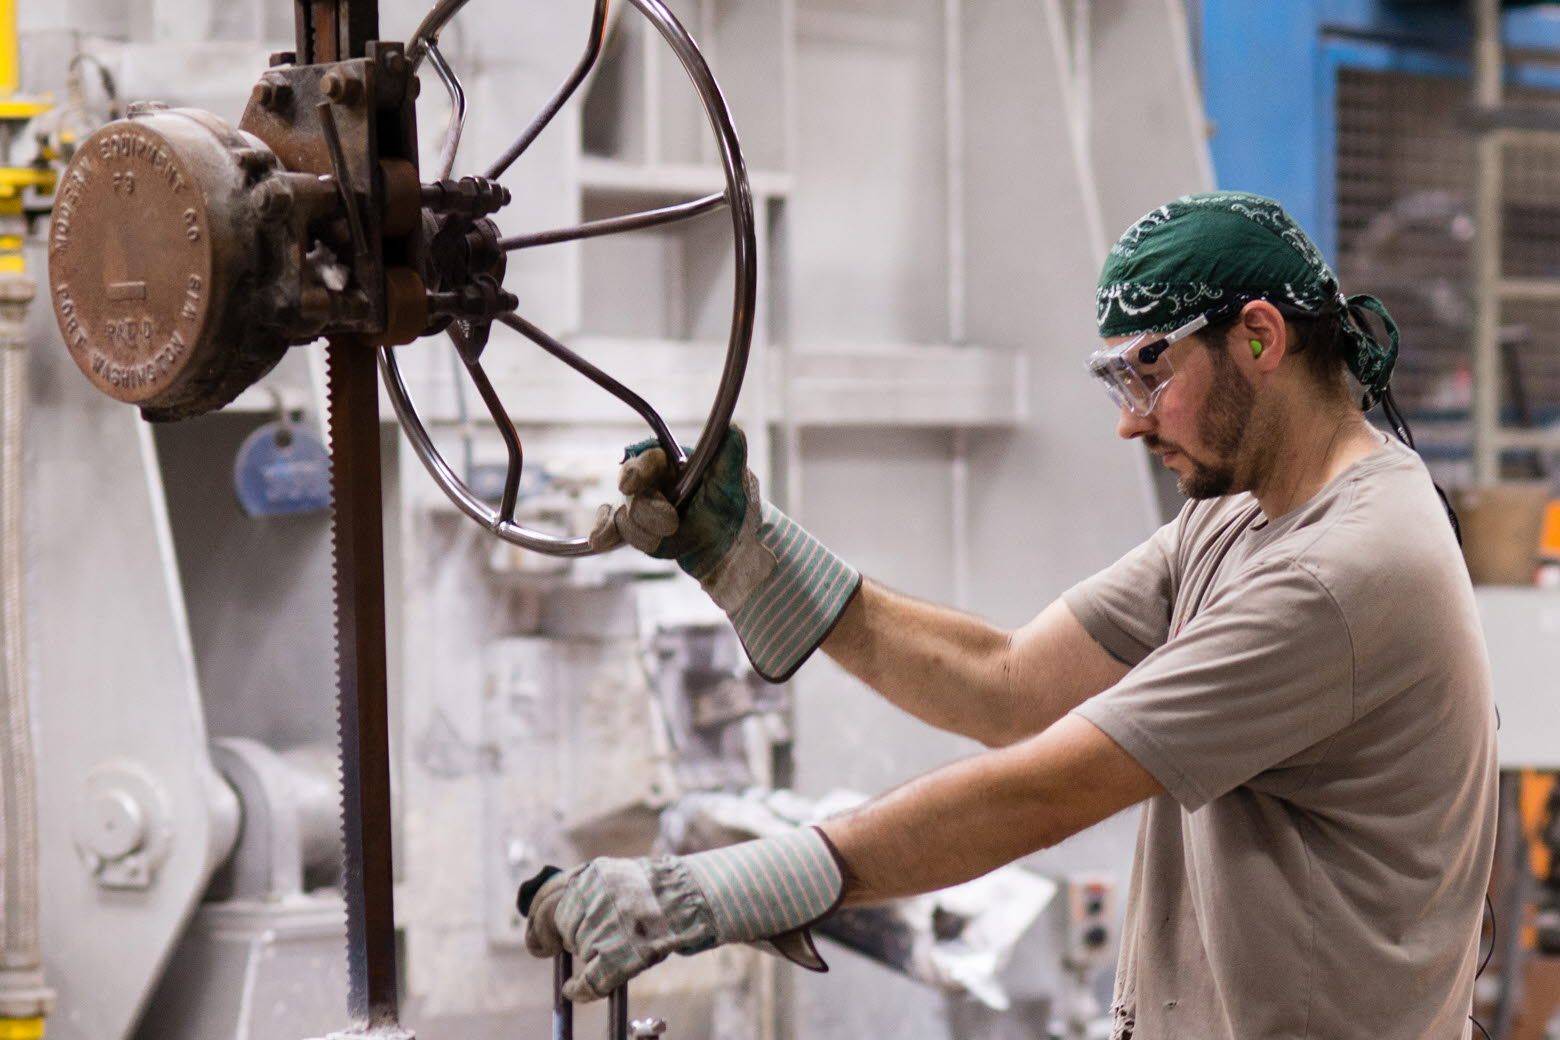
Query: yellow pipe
[[21, 1028], [9, 75], [20, 108]]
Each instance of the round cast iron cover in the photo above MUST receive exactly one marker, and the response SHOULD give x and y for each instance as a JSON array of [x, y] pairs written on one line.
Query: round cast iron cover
[[153, 244]]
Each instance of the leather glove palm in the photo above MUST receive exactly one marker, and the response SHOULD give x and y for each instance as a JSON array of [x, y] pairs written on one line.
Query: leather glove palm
[[782, 589]]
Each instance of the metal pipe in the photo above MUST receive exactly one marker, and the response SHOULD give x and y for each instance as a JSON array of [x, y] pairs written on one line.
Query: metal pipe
[[953, 158], [958, 332], [23, 994], [1486, 246]]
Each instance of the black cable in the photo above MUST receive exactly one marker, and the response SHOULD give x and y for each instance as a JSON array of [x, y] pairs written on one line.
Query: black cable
[[1451, 514], [1485, 963], [1400, 429], [1394, 414], [1489, 907]]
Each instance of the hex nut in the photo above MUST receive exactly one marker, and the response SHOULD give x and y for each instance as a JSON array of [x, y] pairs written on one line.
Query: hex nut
[[274, 199], [341, 87], [273, 94]]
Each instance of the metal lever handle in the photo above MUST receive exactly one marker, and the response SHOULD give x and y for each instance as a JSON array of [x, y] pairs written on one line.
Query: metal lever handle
[[617, 1013], [618, 1025], [338, 162], [563, 1008]]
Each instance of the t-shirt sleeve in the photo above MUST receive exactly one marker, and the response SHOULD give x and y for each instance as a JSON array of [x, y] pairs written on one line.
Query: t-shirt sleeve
[[1126, 607], [1264, 672]]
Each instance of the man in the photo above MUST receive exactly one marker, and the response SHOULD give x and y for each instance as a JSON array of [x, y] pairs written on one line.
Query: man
[[1291, 673]]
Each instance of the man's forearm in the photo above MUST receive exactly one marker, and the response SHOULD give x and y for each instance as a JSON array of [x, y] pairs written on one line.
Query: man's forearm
[[967, 676], [969, 818], [944, 667]]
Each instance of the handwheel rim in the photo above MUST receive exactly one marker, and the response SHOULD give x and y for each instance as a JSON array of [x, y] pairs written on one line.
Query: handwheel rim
[[744, 298]]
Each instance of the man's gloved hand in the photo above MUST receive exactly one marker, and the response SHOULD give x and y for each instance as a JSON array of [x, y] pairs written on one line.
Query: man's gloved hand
[[620, 916], [781, 588]]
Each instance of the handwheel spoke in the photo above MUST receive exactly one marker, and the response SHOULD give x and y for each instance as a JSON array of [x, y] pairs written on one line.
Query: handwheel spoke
[[427, 32], [663, 435], [457, 109], [506, 430], [598, 27], [615, 225]]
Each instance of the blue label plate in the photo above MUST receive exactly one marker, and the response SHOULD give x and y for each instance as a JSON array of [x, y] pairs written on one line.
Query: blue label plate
[[282, 469]]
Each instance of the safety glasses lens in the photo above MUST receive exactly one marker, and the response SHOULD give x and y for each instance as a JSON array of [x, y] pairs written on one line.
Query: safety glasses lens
[[1124, 384]]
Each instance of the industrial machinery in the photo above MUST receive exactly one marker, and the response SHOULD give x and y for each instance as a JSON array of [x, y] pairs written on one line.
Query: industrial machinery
[[187, 256], [542, 708]]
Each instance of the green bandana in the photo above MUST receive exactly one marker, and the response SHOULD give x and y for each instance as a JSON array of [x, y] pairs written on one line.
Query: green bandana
[[1191, 255]]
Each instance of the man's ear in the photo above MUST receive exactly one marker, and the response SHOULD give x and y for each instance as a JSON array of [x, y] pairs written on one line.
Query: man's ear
[[1262, 335]]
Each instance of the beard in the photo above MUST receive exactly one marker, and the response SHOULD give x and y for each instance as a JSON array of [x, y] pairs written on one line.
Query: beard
[[1222, 427]]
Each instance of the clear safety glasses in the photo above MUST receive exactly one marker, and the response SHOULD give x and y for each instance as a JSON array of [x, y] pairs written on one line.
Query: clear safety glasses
[[1136, 372]]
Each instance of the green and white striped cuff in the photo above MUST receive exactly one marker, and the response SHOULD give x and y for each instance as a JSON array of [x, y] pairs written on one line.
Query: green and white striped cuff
[[766, 887], [791, 612]]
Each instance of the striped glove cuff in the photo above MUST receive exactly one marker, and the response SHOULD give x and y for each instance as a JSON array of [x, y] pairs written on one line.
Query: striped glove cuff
[[765, 888], [793, 609]]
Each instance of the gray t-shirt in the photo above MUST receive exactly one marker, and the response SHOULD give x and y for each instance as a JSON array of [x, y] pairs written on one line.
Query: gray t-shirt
[[1314, 694]]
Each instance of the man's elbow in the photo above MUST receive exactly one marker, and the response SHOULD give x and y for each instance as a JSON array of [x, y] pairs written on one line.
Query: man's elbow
[[1003, 734], [1003, 728]]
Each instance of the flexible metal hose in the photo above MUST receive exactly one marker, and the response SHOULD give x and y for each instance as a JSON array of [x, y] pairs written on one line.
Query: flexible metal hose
[[22, 994]]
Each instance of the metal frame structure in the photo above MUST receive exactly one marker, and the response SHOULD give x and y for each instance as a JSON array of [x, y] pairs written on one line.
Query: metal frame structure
[[1499, 127], [1312, 42], [1453, 40]]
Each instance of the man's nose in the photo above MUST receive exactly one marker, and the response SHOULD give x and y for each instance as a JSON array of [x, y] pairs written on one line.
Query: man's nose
[[1130, 424]]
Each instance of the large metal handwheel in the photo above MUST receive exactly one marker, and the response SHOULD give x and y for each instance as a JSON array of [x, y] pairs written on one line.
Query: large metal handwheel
[[737, 197]]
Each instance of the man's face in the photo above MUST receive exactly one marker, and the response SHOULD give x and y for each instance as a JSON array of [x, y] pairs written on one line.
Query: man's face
[[1200, 422]]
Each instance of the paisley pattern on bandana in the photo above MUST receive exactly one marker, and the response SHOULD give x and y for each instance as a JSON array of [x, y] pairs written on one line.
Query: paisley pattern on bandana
[[1198, 251]]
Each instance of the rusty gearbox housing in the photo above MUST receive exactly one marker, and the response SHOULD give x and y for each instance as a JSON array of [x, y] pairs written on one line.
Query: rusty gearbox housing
[[186, 255]]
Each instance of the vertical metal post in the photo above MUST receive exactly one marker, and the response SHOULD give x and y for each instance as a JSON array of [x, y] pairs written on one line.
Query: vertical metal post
[[563, 1008], [617, 1013], [24, 998], [1488, 166]]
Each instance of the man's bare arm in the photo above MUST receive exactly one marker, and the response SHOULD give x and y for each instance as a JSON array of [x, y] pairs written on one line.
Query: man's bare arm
[[969, 818], [964, 675]]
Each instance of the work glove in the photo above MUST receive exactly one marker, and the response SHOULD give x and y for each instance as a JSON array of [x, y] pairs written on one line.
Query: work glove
[[621, 916], [781, 588]]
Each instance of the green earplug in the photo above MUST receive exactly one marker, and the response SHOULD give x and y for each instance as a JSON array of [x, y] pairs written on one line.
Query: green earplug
[[1256, 348]]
